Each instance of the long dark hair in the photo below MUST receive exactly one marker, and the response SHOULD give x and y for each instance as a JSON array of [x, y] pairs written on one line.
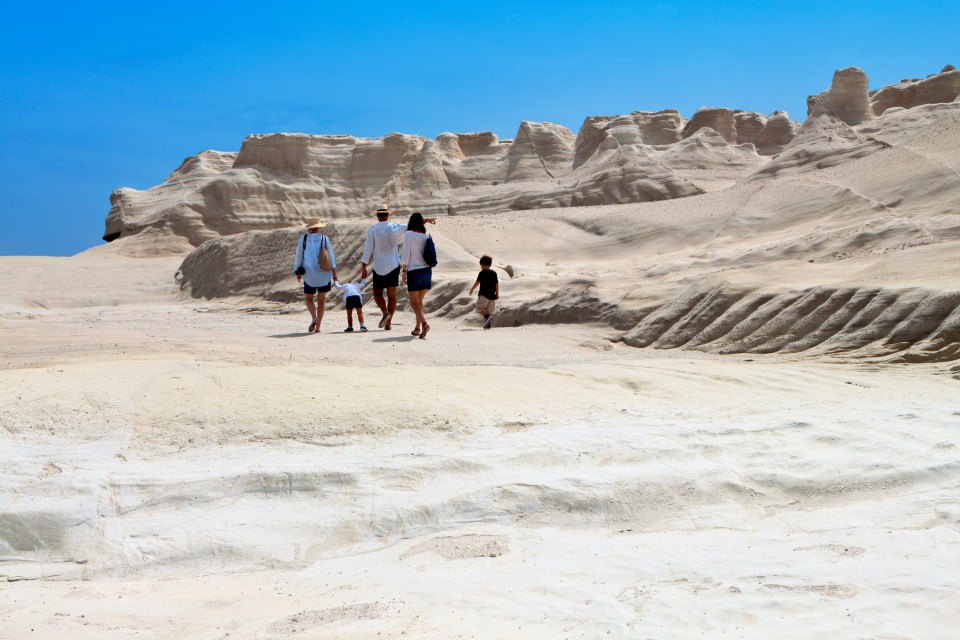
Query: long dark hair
[[416, 223]]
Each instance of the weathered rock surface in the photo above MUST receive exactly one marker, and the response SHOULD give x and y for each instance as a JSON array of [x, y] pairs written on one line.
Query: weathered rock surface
[[822, 141], [720, 120], [848, 97], [910, 325], [709, 161], [938, 88], [278, 180], [778, 131], [639, 127]]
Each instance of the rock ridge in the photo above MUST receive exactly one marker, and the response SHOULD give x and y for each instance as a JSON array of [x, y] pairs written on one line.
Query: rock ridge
[[277, 180]]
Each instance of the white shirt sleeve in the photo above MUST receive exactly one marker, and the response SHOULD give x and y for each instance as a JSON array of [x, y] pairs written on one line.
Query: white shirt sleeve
[[405, 254], [367, 248]]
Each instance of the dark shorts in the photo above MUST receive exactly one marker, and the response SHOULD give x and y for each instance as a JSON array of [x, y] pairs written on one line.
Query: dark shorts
[[392, 279], [354, 302], [419, 279], [312, 290]]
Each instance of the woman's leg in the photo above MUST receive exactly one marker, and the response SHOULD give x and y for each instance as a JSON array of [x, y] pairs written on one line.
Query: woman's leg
[[420, 299], [308, 299], [418, 309], [423, 315], [415, 307], [321, 303]]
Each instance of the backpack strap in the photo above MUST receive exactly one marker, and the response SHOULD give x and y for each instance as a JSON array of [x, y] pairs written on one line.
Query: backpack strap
[[303, 251]]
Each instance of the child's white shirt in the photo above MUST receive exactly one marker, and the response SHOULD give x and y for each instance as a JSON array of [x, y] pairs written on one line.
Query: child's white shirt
[[351, 288]]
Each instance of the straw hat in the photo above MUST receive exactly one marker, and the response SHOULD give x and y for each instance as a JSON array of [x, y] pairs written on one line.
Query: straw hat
[[313, 223], [382, 209]]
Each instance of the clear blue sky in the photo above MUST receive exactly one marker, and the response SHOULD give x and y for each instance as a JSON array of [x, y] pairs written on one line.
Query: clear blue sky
[[99, 95]]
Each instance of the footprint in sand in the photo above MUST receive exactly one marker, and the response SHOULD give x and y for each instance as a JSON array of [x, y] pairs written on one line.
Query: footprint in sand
[[461, 547]]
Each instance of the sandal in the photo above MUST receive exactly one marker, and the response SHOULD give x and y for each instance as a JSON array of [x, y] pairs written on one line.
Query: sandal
[[415, 332], [313, 325], [426, 328]]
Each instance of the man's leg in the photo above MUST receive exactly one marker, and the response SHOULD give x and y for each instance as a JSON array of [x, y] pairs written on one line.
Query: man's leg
[[391, 302], [378, 298]]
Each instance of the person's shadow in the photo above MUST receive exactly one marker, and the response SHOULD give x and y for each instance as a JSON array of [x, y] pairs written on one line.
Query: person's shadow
[[290, 335], [395, 339]]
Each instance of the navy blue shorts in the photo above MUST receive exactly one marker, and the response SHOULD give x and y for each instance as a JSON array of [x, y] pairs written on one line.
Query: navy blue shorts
[[419, 279], [392, 279], [354, 302], [312, 290]]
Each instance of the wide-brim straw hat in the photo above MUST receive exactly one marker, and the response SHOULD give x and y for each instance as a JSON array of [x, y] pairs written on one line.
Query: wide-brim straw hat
[[382, 209], [313, 223]]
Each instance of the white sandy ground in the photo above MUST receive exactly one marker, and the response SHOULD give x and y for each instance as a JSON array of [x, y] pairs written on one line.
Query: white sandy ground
[[174, 470]]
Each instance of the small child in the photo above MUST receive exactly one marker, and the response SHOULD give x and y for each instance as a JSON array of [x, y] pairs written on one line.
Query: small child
[[353, 296], [489, 291]]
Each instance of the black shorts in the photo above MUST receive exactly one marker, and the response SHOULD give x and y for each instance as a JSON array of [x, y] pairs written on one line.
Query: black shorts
[[392, 279], [419, 279], [354, 302], [312, 290]]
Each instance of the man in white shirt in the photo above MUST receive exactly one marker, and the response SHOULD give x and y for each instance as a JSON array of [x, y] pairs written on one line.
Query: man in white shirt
[[381, 247]]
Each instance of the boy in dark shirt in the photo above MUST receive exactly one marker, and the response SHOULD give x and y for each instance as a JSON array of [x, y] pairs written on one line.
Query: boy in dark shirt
[[489, 291]]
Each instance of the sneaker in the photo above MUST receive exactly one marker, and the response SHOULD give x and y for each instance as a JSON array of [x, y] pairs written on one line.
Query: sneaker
[[348, 330], [363, 329], [488, 322]]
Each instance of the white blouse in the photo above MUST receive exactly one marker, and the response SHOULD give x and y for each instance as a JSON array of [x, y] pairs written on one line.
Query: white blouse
[[413, 244]]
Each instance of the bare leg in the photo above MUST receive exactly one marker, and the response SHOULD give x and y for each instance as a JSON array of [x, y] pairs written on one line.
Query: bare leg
[[416, 301], [414, 297], [378, 298], [308, 299], [421, 315], [350, 317], [360, 315], [423, 311], [321, 303], [391, 300]]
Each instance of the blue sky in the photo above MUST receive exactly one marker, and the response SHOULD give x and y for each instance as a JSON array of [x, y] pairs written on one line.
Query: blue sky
[[100, 95]]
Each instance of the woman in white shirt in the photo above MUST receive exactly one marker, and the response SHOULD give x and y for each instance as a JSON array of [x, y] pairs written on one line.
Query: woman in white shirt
[[316, 281], [416, 273]]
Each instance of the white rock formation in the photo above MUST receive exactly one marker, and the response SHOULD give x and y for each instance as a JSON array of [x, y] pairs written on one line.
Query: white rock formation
[[848, 97], [278, 180]]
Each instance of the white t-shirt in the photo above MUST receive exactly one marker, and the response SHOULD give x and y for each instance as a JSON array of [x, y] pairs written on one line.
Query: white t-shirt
[[351, 288]]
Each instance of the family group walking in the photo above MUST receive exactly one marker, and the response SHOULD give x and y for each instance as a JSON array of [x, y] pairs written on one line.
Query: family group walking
[[316, 266]]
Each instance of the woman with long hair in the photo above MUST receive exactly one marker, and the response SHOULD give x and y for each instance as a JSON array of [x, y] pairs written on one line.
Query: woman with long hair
[[416, 273]]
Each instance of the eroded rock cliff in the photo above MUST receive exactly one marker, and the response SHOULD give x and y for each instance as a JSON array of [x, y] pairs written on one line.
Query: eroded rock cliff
[[278, 180]]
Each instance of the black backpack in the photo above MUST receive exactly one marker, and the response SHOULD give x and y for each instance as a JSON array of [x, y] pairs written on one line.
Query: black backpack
[[430, 252]]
